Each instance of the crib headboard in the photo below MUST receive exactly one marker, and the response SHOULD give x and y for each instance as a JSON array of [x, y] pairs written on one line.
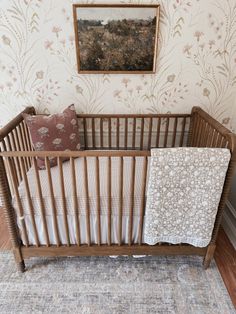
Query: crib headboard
[[133, 132], [205, 131]]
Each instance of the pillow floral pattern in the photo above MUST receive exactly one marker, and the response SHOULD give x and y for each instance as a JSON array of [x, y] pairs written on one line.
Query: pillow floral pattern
[[184, 191], [57, 132]]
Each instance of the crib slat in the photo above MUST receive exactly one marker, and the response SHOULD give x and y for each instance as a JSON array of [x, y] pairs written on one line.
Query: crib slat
[[182, 132], [174, 132], [219, 140], [85, 133], [75, 200], [25, 135], [28, 138], [52, 198], [19, 203], [121, 199], [101, 132], [214, 138], [42, 208], [200, 129], [200, 133], [87, 202], [118, 133], [142, 204], [126, 133], [62, 184], [24, 147], [109, 199], [16, 139], [20, 146], [27, 141], [109, 132], [204, 132], [134, 133], [141, 135], [150, 134], [224, 143], [131, 201], [196, 127], [158, 132], [98, 202], [4, 147], [17, 163], [13, 159], [93, 133], [166, 132], [210, 137], [29, 200]]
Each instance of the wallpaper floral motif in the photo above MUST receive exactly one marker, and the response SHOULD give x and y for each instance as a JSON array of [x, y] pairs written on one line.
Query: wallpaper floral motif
[[196, 62]]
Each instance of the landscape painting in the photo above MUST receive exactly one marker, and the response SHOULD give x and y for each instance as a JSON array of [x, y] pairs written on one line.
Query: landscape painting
[[116, 38]]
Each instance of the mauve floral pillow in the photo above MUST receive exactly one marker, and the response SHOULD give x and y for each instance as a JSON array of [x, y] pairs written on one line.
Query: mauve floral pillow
[[57, 132]]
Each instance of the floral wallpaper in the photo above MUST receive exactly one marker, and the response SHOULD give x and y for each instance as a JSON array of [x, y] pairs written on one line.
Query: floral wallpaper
[[196, 62]]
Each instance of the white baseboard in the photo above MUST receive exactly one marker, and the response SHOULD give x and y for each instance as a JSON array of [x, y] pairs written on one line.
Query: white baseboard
[[229, 222]]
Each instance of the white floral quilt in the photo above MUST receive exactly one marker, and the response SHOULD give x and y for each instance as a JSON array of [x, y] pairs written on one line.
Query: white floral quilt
[[184, 190]]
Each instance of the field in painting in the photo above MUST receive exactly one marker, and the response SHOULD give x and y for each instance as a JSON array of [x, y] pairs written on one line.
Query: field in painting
[[118, 45]]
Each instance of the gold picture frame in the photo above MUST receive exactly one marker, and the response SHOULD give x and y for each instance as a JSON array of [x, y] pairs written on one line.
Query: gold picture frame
[[116, 38]]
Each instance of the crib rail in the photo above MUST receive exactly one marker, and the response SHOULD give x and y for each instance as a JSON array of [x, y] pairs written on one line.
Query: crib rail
[[137, 132]]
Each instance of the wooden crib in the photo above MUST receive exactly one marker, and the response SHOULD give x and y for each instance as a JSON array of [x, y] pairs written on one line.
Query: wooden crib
[[116, 139]]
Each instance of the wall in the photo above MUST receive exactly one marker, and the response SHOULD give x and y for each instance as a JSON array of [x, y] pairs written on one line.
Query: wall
[[196, 62]]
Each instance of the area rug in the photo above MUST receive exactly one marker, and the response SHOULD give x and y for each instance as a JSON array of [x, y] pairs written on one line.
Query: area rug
[[112, 285]]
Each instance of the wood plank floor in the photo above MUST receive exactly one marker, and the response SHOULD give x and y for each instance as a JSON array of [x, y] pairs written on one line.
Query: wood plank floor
[[225, 257]]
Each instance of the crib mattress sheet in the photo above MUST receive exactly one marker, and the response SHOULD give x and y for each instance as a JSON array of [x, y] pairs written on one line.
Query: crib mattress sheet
[[81, 199], [80, 187]]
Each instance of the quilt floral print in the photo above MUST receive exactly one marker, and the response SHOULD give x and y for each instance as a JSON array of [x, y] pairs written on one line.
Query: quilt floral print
[[184, 191]]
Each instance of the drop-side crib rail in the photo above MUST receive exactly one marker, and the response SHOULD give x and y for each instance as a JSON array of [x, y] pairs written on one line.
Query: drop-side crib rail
[[109, 137]]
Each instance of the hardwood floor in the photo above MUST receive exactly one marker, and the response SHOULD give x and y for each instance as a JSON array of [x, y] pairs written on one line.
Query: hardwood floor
[[225, 257]]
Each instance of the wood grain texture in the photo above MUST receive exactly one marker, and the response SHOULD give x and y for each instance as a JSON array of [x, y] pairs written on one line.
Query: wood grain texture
[[225, 257], [5, 242]]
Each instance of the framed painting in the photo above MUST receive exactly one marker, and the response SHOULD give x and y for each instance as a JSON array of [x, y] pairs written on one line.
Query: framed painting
[[116, 38]]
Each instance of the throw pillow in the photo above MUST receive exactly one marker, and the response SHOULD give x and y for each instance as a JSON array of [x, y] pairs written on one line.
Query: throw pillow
[[56, 132]]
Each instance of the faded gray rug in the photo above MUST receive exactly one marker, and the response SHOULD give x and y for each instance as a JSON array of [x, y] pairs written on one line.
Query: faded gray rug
[[106, 285]]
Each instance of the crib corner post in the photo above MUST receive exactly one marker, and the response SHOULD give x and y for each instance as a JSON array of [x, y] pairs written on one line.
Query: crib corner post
[[192, 125], [10, 217], [209, 255], [19, 259]]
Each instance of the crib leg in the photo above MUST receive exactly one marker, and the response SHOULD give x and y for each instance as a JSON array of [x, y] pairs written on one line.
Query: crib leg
[[19, 260], [209, 255], [21, 266]]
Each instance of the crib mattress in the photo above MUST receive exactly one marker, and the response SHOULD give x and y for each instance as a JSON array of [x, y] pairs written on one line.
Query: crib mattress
[[80, 187]]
